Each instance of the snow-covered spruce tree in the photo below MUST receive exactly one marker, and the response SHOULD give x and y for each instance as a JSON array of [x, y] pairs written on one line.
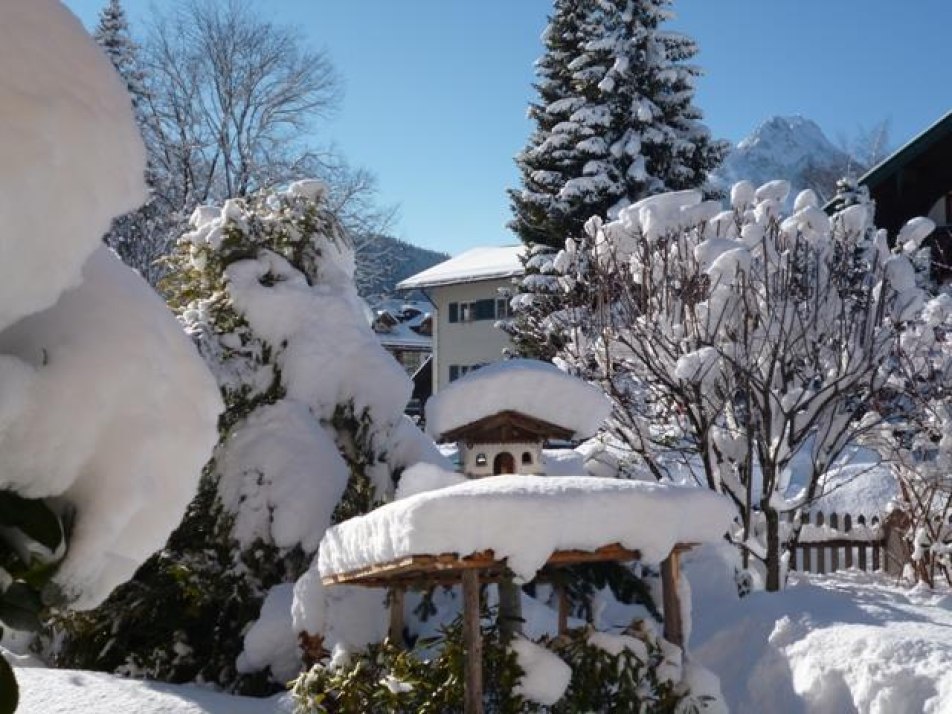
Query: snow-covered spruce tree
[[615, 120], [311, 434], [113, 36], [746, 346]]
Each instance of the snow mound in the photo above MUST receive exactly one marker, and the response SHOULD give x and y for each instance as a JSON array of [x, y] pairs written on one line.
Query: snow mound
[[117, 414], [534, 388], [494, 514], [546, 676], [849, 642], [71, 157]]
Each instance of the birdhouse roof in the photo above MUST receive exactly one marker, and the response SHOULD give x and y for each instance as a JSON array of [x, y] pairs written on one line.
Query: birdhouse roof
[[535, 395]]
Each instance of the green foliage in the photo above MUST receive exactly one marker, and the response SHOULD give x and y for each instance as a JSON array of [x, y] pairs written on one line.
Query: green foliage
[[32, 544], [9, 691], [619, 683], [428, 679]]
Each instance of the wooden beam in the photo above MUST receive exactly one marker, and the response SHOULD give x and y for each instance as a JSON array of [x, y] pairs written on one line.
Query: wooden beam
[[396, 616], [422, 569], [671, 597], [472, 643], [563, 610]]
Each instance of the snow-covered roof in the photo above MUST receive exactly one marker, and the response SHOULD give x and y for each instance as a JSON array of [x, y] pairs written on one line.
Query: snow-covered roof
[[482, 263], [524, 519], [533, 388]]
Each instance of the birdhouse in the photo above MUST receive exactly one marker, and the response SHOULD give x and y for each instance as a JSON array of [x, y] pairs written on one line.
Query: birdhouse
[[501, 415], [504, 443]]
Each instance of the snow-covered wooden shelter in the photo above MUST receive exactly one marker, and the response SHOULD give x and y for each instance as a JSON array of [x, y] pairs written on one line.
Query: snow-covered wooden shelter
[[478, 531], [501, 415]]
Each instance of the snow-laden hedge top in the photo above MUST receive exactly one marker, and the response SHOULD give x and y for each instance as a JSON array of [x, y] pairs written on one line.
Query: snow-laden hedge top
[[524, 519], [104, 404], [534, 388], [70, 154]]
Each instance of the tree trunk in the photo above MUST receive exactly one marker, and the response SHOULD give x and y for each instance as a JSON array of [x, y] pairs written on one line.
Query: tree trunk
[[773, 547]]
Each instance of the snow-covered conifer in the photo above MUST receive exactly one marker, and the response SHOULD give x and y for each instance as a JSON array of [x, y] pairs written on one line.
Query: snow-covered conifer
[[313, 432], [615, 120], [113, 36]]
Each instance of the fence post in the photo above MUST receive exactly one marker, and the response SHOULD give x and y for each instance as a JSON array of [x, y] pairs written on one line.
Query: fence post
[[834, 551], [896, 551], [847, 527]]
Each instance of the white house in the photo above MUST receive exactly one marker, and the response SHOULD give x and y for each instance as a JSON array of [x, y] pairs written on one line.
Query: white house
[[466, 291]]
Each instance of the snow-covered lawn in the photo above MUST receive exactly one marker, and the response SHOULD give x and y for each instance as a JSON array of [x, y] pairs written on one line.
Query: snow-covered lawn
[[836, 644], [67, 691]]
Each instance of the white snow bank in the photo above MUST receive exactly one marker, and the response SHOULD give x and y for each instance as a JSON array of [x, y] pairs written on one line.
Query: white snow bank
[[524, 519], [426, 477], [67, 691], [271, 640], [849, 642], [116, 412], [282, 477], [534, 388], [546, 676], [70, 154]]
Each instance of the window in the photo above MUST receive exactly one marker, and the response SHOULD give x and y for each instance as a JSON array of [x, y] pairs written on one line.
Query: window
[[502, 308], [484, 309], [481, 460], [458, 370], [477, 310], [454, 372], [526, 458]]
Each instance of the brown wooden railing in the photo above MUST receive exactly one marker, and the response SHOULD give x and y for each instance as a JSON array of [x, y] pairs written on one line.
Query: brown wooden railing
[[841, 541]]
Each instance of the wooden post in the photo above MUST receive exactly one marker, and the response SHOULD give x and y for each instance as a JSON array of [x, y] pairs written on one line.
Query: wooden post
[[473, 643], [563, 610], [396, 616], [509, 617], [670, 577]]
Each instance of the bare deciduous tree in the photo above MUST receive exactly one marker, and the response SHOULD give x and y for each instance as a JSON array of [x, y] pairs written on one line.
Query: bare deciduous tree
[[748, 347]]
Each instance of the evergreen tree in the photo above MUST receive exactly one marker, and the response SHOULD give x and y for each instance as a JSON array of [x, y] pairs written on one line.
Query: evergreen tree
[[615, 120], [113, 36], [313, 412]]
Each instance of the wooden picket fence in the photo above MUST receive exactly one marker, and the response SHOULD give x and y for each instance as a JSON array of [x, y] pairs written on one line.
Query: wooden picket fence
[[840, 541]]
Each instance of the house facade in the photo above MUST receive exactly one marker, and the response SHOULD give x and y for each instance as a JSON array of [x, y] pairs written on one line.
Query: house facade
[[916, 180], [470, 294]]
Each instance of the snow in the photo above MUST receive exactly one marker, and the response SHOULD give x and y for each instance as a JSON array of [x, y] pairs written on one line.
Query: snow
[[849, 642], [271, 640], [106, 403], [284, 477], [482, 263], [523, 519], [70, 154], [536, 389], [64, 691], [546, 676], [117, 413]]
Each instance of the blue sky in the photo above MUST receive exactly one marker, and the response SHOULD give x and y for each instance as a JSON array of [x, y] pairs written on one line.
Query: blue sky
[[436, 90]]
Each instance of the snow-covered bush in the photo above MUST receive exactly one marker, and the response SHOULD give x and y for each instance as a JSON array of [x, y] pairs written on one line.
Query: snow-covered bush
[[107, 414], [312, 433], [742, 343], [583, 670]]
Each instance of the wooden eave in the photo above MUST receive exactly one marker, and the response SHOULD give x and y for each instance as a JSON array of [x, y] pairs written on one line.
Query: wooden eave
[[446, 568], [506, 426]]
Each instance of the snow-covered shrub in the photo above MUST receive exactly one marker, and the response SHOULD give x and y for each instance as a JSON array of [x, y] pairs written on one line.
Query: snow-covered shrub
[[634, 672], [428, 678], [741, 345], [107, 414], [264, 285]]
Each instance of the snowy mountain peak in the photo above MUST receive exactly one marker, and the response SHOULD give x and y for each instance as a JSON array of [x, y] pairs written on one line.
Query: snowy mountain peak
[[786, 147]]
